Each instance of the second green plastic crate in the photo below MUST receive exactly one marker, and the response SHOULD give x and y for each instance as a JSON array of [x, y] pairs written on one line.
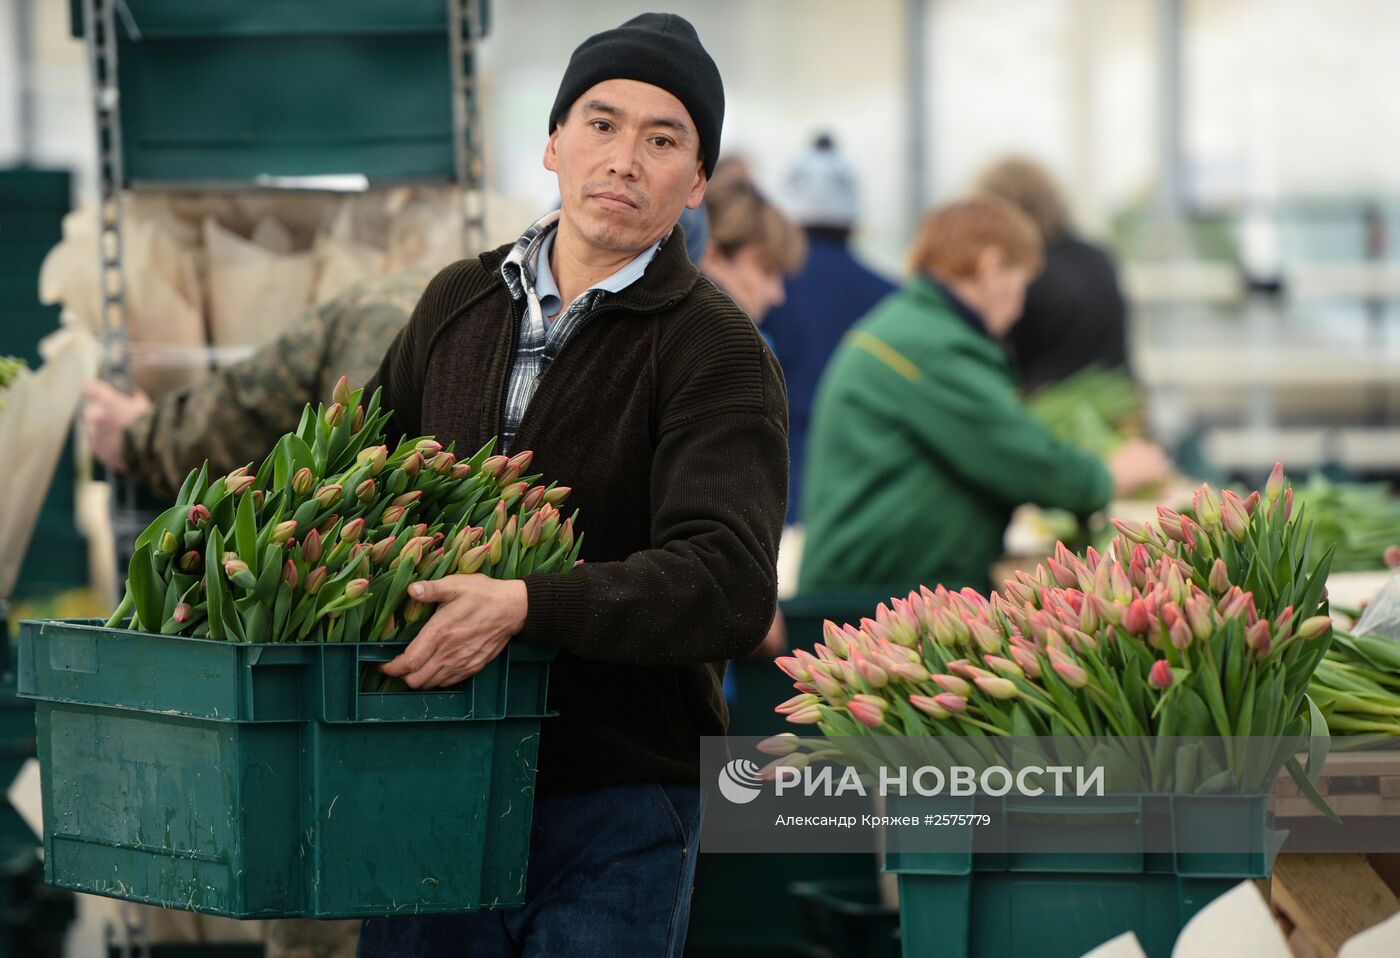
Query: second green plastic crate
[[257, 781], [1057, 904]]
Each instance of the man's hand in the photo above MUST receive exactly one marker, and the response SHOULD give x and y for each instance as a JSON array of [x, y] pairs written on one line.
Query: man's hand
[[106, 414], [476, 616]]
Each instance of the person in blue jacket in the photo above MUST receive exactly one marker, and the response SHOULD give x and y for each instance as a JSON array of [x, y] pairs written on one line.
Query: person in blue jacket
[[824, 299]]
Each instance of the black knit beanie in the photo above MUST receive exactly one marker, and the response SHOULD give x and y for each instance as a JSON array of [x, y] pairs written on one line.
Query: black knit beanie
[[657, 48]]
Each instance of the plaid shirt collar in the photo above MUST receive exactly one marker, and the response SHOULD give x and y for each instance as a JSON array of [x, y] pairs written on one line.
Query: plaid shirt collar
[[539, 342]]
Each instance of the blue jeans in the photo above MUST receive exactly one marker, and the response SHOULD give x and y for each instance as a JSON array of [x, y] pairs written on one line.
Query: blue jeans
[[610, 874]]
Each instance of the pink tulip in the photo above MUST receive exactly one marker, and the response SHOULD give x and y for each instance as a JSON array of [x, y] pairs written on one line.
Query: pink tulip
[[997, 688], [866, 713], [1314, 628], [952, 684], [1160, 675], [929, 706]]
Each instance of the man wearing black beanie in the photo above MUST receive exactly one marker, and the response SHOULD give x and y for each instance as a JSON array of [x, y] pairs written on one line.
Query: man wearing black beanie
[[593, 342]]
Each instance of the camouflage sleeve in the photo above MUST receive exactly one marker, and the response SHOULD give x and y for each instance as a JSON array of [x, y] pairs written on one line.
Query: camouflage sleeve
[[235, 416]]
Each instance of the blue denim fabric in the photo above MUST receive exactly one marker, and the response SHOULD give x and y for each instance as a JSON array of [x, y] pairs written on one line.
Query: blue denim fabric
[[610, 874]]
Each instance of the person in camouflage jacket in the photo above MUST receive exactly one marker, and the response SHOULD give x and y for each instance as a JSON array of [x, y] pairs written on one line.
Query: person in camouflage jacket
[[237, 414]]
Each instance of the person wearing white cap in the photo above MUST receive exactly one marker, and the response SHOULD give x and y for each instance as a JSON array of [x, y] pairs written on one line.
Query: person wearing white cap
[[826, 297]]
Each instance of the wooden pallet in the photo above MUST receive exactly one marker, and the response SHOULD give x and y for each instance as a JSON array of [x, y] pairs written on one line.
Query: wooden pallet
[[1357, 784]]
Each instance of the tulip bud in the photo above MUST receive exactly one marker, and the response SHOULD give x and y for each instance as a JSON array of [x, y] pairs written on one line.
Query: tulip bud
[[530, 532], [987, 640], [168, 544], [1002, 666], [1136, 619], [533, 499], [358, 423], [428, 448], [302, 480], [1198, 616], [1219, 578], [413, 610], [1170, 521], [379, 551], [496, 547], [780, 745], [239, 574], [341, 392], [198, 516], [311, 547], [794, 669], [557, 495], [182, 612], [1160, 675], [873, 675], [329, 495], [356, 588], [1071, 673], [282, 532], [1026, 660], [797, 702], [1134, 531], [413, 464], [997, 688], [315, 579], [335, 415], [289, 573], [929, 707], [1207, 507], [1251, 502], [407, 499], [1258, 638], [442, 463], [1234, 516], [472, 559], [494, 466], [238, 485], [807, 716], [866, 713], [238, 473], [1315, 627], [1180, 633], [352, 530], [1122, 588], [513, 491], [1273, 489], [191, 561]]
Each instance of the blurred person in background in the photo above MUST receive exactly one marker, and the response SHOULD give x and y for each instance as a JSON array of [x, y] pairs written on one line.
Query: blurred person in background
[[1075, 315], [752, 246], [823, 300], [238, 413], [920, 445]]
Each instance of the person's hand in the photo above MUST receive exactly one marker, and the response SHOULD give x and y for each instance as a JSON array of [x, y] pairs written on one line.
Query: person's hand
[[106, 414], [775, 643], [1135, 464], [476, 616]]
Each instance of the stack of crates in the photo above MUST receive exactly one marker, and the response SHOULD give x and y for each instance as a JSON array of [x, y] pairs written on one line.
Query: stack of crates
[[33, 203]]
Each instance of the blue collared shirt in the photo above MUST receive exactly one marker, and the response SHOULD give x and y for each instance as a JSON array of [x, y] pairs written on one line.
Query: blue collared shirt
[[548, 291]]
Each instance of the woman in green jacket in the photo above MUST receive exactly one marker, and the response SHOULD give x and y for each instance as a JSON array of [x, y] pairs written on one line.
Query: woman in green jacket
[[920, 446]]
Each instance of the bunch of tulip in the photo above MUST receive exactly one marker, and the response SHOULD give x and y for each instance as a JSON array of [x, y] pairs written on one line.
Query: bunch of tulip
[[1184, 627], [321, 543]]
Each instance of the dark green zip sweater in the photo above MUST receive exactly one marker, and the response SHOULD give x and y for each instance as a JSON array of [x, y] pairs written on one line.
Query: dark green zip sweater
[[667, 415]]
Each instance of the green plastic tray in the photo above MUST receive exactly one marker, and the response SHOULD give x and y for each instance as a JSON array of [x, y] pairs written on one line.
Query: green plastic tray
[[223, 91], [257, 781]]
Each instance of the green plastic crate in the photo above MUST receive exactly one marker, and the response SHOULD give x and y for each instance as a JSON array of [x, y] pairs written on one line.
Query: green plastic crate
[[224, 91], [257, 781], [1053, 904]]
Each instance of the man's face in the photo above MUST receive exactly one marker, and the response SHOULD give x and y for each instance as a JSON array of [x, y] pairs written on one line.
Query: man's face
[[628, 161]]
